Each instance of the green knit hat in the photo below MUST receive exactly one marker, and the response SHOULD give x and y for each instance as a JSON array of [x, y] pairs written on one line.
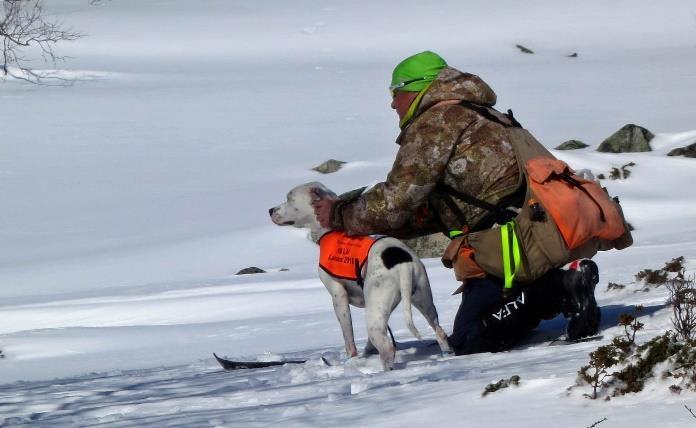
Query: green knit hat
[[416, 72]]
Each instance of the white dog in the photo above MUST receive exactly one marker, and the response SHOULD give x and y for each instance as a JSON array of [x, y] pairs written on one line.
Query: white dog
[[391, 273]]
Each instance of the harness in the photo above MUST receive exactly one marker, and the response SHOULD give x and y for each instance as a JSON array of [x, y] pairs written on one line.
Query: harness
[[344, 256], [498, 213]]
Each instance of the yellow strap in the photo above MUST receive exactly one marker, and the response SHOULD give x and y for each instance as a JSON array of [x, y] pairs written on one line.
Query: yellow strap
[[511, 252], [413, 107], [454, 233]]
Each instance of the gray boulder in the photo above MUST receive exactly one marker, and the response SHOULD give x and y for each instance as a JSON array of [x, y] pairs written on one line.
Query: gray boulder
[[524, 49], [630, 138], [250, 270], [331, 165], [688, 151], [429, 246], [572, 145]]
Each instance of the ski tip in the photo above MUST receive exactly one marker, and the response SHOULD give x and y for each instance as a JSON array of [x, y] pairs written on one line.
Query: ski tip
[[227, 365]]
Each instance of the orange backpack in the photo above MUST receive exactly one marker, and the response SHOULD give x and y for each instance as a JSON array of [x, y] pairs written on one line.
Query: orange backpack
[[563, 217], [580, 208]]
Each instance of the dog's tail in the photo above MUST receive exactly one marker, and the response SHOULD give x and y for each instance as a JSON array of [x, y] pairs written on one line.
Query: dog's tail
[[406, 275]]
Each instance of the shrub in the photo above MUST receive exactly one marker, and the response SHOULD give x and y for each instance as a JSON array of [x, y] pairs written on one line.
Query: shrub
[[675, 265], [625, 171], [682, 298], [681, 359], [631, 324], [652, 277], [596, 371], [615, 286], [632, 378], [502, 383]]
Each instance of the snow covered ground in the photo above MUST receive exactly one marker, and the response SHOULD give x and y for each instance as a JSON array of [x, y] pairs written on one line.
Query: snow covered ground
[[131, 199]]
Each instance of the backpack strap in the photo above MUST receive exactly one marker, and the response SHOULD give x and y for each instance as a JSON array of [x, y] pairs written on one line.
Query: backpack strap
[[499, 213], [514, 121], [496, 213], [358, 274], [359, 267], [486, 112]]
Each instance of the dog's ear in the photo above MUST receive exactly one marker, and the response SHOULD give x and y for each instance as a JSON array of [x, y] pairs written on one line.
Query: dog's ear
[[320, 193]]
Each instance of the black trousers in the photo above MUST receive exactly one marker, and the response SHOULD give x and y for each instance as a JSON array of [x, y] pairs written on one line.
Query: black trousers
[[487, 322]]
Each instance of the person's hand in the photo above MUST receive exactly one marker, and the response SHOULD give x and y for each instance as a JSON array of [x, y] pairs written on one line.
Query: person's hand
[[322, 209]]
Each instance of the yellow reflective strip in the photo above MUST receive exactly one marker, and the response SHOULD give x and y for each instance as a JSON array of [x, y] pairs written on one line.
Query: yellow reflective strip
[[515, 251], [505, 245], [413, 107], [454, 233], [510, 266]]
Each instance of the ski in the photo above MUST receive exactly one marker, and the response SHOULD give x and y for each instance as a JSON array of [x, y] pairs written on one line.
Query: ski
[[239, 365], [572, 342]]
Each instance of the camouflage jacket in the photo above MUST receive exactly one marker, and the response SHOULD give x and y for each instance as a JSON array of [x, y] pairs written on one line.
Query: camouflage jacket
[[446, 143]]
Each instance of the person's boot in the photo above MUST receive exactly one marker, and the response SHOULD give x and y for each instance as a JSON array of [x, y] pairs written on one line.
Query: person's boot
[[579, 304]]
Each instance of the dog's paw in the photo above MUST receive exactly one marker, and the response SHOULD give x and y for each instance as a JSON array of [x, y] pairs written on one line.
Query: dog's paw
[[353, 361]]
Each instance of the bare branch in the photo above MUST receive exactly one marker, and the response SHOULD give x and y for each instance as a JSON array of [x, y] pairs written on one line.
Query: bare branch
[[24, 28], [682, 298], [597, 423], [690, 411]]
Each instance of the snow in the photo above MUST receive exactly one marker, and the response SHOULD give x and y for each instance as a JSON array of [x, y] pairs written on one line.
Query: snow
[[132, 197]]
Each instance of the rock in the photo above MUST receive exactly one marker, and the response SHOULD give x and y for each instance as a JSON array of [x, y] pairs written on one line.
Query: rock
[[524, 49], [429, 246], [688, 151], [630, 138], [331, 165], [572, 145], [250, 270], [502, 383]]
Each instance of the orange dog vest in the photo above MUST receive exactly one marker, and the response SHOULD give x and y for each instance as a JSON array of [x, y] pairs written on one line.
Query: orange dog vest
[[344, 256]]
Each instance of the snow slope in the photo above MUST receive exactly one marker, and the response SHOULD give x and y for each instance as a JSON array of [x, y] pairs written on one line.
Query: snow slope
[[131, 199]]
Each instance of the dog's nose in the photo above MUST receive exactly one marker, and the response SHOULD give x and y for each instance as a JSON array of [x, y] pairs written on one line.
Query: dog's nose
[[270, 211]]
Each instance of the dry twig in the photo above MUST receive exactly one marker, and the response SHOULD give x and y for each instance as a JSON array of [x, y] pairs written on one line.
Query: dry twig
[[682, 292], [24, 28], [597, 423], [690, 411]]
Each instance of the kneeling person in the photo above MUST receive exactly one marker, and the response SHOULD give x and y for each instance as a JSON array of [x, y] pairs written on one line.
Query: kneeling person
[[460, 165]]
